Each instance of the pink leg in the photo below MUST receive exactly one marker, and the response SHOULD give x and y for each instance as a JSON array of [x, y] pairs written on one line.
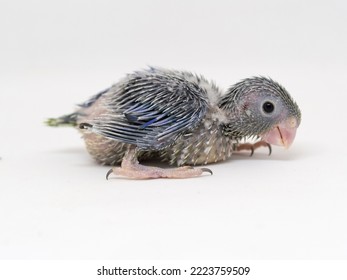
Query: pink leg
[[252, 147], [131, 168]]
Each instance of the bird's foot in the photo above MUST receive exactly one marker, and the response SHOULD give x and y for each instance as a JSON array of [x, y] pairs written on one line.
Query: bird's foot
[[138, 171], [132, 169], [252, 147]]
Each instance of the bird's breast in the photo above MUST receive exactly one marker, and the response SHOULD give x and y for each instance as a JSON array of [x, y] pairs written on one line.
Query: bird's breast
[[205, 144]]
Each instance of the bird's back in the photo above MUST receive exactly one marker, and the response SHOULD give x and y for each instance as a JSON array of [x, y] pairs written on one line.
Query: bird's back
[[171, 114]]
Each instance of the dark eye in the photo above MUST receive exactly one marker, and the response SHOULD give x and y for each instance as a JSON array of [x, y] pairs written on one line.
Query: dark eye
[[268, 107]]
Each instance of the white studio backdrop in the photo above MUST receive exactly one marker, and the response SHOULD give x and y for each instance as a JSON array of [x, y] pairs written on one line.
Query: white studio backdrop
[[54, 200]]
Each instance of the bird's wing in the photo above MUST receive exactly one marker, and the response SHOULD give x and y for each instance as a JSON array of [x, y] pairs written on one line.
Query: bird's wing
[[151, 110]]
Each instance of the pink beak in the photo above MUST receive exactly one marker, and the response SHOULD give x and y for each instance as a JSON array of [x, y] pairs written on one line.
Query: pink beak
[[282, 134]]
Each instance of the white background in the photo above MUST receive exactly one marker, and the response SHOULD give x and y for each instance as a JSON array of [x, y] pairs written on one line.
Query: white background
[[54, 200]]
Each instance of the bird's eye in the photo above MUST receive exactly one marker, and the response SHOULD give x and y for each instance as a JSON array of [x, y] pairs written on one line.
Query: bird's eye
[[268, 107]]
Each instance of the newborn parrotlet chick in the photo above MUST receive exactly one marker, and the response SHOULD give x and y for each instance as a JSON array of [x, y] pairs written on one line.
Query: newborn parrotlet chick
[[183, 119]]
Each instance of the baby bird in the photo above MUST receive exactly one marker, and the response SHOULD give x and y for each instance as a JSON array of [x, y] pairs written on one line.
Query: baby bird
[[183, 119]]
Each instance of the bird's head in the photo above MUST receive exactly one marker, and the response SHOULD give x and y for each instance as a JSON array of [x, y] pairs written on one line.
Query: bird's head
[[260, 107]]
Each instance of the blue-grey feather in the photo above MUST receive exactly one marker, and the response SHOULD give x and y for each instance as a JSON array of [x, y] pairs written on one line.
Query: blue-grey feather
[[91, 100], [151, 109]]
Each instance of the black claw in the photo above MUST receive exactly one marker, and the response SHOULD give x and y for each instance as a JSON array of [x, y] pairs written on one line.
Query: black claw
[[108, 173], [85, 125], [252, 151], [207, 170], [270, 149]]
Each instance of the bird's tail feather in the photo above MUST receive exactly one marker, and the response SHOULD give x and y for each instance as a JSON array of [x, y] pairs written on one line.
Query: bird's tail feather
[[66, 120]]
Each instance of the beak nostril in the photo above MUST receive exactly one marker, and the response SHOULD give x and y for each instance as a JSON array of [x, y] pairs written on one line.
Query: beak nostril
[[292, 123]]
